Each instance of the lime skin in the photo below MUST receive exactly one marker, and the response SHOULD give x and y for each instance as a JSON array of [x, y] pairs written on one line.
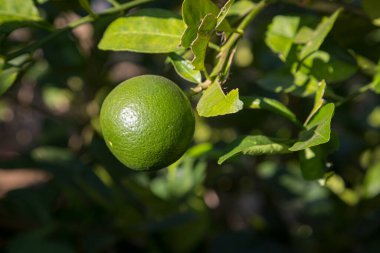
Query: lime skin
[[147, 122]]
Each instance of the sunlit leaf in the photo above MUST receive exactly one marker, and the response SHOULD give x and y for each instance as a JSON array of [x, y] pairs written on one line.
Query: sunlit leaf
[[303, 35], [318, 36], [17, 13], [371, 181], [281, 33], [224, 11], [193, 12], [317, 129], [318, 100], [146, 31], [214, 102], [200, 44], [185, 68], [254, 145]]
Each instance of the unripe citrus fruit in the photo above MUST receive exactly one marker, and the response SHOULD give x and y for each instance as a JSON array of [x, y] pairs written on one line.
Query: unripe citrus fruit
[[147, 122]]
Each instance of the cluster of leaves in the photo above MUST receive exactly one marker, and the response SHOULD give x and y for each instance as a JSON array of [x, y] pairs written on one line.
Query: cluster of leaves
[[306, 71], [94, 204]]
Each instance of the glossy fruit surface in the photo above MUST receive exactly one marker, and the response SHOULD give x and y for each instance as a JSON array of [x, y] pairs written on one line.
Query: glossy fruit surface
[[147, 122]]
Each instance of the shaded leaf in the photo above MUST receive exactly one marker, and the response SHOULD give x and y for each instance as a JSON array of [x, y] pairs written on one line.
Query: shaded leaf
[[146, 31], [269, 104], [302, 78], [214, 102], [86, 6], [313, 161], [317, 129], [334, 65], [7, 78], [239, 9], [375, 85], [319, 35], [254, 145], [281, 33], [283, 80], [372, 8], [37, 241], [185, 68], [200, 44]]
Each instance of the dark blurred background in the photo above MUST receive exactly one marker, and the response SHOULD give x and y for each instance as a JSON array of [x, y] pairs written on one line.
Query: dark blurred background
[[62, 191]]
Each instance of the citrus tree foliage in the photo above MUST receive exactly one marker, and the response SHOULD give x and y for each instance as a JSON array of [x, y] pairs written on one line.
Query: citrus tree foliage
[[307, 70], [301, 63]]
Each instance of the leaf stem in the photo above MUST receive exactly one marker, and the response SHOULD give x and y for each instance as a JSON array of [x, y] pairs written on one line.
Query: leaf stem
[[86, 19], [214, 46], [226, 49]]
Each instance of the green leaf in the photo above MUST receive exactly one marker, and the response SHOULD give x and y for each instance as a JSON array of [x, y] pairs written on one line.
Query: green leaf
[[284, 80], [303, 35], [318, 36], [184, 68], [86, 6], [224, 11], [214, 102], [318, 100], [146, 31], [334, 65], [372, 8], [239, 9], [317, 129], [193, 12], [269, 104], [375, 84], [313, 161], [302, 78], [7, 78], [371, 181], [17, 13], [189, 36], [200, 44], [254, 145], [281, 33]]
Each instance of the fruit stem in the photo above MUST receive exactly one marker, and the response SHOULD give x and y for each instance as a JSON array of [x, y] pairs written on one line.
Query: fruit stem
[[86, 19]]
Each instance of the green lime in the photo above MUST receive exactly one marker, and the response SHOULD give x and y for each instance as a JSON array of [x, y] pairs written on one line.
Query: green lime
[[147, 122]]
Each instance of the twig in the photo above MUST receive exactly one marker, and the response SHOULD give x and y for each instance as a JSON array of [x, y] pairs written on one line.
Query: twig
[[352, 96], [226, 49]]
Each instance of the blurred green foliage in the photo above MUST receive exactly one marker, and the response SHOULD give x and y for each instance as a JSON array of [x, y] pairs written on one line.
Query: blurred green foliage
[[78, 198]]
